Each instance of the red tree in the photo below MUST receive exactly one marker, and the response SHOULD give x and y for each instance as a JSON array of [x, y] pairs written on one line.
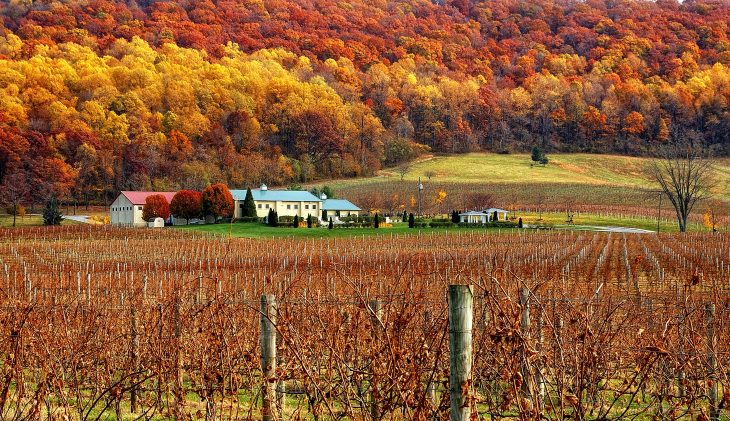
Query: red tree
[[186, 204], [217, 201], [155, 206]]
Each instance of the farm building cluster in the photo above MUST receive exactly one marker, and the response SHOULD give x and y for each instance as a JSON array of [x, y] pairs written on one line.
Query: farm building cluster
[[128, 207]]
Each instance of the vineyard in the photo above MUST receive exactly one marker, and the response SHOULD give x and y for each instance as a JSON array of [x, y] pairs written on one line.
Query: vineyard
[[102, 323]]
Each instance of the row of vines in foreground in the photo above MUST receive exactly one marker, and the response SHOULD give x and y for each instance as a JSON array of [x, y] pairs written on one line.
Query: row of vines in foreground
[[99, 323]]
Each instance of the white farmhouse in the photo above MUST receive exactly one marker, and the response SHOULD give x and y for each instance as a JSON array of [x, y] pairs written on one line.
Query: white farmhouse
[[483, 216], [127, 208], [283, 202]]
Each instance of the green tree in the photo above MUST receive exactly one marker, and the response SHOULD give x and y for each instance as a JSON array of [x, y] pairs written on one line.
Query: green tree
[[330, 225], [52, 214], [376, 221], [295, 224], [455, 217], [309, 221], [327, 190], [249, 206], [536, 154], [411, 221]]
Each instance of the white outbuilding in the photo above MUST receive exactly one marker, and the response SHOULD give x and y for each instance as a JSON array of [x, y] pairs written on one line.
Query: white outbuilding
[[156, 223], [127, 207], [483, 216]]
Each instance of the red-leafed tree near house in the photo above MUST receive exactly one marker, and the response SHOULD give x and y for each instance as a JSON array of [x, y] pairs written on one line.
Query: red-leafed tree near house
[[186, 204], [156, 206]]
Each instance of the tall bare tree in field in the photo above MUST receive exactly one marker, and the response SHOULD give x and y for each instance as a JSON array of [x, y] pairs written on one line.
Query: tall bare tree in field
[[685, 176], [14, 190]]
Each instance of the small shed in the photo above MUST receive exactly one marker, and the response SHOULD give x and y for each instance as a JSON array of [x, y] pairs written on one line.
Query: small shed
[[156, 222]]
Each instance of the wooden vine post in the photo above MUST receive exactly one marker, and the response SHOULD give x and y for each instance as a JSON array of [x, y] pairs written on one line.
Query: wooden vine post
[[712, 362], [525, 328], [461, 313], [376, 317], [268, 357], [134, 355]]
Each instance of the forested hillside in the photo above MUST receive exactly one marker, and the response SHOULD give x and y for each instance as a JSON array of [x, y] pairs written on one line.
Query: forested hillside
[[99, 95]]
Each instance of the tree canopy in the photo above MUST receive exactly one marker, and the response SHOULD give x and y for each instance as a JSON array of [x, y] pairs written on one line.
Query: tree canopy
[[98, 96]]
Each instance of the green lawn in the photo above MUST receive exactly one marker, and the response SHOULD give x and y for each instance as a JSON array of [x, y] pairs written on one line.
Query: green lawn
[[249, 230], [549, 219]]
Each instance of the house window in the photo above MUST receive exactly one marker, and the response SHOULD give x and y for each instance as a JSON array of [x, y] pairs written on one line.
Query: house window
[[296, 206], [267, 206], [288, 206], [139, 207], [259, 205], [306, 206], [314, 206], [240, 206]]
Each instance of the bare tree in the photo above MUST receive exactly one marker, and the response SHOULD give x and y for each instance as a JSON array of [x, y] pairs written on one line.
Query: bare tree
[[479, 200], [540, 203], [14, 191], [403, 170], [685, 176]]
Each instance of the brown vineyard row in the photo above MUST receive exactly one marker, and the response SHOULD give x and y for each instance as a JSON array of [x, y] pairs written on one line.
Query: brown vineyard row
[[98, 323]]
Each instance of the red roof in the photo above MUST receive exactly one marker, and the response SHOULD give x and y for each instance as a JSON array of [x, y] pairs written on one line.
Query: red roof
[[139, 197]]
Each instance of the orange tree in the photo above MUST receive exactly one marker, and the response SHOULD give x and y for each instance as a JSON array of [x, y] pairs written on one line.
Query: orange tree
[[156, 206], [217, 201]]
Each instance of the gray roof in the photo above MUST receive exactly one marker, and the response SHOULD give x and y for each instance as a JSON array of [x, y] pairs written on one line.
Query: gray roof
[[484, 212], [339, 204], [473, 213], [276, 195]]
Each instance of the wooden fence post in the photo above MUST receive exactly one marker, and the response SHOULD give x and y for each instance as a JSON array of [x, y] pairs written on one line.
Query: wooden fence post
[[376, 317], [268, 356], [135, 358], [430, 384], [712, 362], [281, 385], [525, 329], [88, 290], [144, 288], [539, 369], [461, 313]]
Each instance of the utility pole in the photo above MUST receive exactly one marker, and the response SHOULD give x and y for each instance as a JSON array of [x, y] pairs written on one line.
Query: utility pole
[[420, 195]]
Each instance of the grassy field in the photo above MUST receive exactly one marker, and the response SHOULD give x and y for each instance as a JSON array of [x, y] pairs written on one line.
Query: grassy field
[[565, 172], [26, 221]]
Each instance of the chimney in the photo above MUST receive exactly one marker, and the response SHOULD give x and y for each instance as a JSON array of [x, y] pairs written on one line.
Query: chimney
[[323, 196], [263, 187]]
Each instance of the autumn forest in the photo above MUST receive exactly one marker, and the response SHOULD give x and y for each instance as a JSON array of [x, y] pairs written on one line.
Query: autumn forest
[[98, 96]]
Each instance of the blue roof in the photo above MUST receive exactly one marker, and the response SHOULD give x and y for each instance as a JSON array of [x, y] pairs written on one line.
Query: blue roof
[[339, 204], [276, 195]]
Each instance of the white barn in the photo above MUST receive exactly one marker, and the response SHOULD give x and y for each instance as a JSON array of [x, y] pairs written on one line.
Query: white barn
[[127, 207]]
